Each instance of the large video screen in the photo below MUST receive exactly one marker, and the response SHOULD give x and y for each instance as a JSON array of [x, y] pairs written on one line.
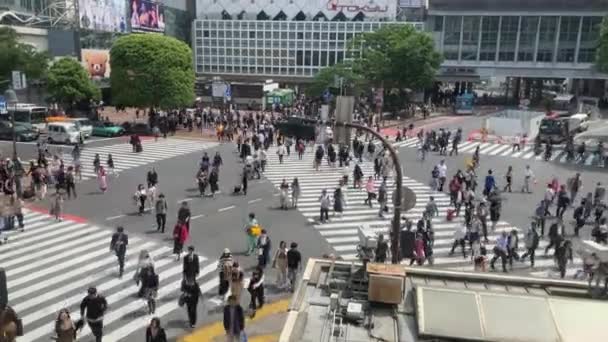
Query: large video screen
[[147, 16], [103, 15]]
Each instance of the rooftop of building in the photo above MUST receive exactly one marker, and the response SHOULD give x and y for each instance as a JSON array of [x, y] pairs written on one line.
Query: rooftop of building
[[519, 5], [339, 301]]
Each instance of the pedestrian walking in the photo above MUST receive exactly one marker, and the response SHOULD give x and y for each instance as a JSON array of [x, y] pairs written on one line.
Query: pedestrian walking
[[295, 192], [284, 194], [563, 202], [370, 188], [253, 230], [325, 202], [161, 213], [382, 199], [65, 327], [459, 240], [574, 186], [57, 206], [555, 238], [513, 247], [183, 215], [102, 179], [281, 151], [501, 251], [509, 179], [92, 309], [443, 170], [180, 236], [381, 253], [213, 181], [528, 179], [256, 290], [152, 177], [140, 198], [279, 262], [563, 254], [191, 293], [234, 320], [224, 266], [294, 264], [110, 164], [155, 332], [118, 245], [70, 183], [531, 243], [191, 266], [263, 246]]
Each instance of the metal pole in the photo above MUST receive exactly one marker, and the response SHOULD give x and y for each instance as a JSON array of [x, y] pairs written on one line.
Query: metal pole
[[396, 224], [14, 134]]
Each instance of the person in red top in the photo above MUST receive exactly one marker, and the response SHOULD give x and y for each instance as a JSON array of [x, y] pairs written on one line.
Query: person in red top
[[180, 236]]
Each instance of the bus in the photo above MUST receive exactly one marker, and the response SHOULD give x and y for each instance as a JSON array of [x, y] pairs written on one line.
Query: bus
[[31, 114], [464, 104]]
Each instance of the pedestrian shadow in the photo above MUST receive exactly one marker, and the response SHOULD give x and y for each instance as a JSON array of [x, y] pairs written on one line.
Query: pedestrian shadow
[[177, 324], [95, 193]]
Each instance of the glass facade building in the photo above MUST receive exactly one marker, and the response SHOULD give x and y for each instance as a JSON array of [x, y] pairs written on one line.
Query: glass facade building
[[274, 49], [517, 38]]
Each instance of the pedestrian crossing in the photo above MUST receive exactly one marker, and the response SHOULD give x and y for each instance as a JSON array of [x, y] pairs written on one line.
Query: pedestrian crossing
[[51, 264], [341, 232], [506, 150], [125, 159]]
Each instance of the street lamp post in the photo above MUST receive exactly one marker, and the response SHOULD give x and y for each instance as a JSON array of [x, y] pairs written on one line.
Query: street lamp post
[[11, 100]]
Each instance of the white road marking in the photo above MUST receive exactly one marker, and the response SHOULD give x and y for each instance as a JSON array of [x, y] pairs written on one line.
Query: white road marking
[[115, 217], [254, 200], [226, 208]]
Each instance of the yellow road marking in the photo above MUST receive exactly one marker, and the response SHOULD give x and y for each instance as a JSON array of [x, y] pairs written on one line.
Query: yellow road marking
[[209, 332]]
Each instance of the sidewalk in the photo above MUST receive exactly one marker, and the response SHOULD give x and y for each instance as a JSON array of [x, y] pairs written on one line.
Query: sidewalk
[[266, 326]]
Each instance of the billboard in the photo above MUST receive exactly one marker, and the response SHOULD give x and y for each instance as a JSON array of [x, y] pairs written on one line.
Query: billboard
[[312, 9], [146, 16], [103, 15], [97, 63]]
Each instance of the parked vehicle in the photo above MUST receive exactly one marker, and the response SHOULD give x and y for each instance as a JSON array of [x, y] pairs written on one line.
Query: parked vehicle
[[64, 133], [22, 133], [107, 129]]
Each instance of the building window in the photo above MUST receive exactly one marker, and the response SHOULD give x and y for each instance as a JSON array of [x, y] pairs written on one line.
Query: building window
[[470, 38], [508, 38], [438, 23], [568, 36], [489, 36], [546, 39], [451, 40], [527, 39], [589, 38]]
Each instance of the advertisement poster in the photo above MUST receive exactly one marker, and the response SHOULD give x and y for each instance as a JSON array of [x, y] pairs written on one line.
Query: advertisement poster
[[103, 15], [97, 63], [146, 16]]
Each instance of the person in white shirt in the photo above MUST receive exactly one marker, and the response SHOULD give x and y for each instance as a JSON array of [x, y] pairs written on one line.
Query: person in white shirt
[[281, 151], [443, 170], [459, 239], [528, 177]]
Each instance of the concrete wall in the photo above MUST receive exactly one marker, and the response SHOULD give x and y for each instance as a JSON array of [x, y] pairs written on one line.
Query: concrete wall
[[33, 36]]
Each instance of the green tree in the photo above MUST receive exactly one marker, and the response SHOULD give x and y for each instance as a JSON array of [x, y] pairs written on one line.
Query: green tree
[[602, 51], [151, 70], [68, 82], [397, 57], [332, 77], [18, 56]]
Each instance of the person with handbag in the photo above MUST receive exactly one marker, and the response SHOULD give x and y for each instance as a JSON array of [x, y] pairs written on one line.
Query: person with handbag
[[118, 244], [180, 236], [279, 262], [256, 290], [65, 327], [155, 332], [191, 292]]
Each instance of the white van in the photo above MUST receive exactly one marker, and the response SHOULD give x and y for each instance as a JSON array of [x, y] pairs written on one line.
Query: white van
[[64, 133], [85, 126]]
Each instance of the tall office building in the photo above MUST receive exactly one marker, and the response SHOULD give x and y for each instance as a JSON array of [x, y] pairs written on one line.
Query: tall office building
[[286, 40]]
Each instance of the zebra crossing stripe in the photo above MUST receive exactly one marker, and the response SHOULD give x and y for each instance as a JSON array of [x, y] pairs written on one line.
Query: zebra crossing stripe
[[50, 263]]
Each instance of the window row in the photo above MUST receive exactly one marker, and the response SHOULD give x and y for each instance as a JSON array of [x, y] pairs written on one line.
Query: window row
[[259, 70], [237, 35], [298, 58]]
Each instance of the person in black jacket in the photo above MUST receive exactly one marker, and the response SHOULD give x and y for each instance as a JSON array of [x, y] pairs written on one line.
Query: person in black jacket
[[154, 332], [183, 215], [234, 320], [95, 306], [118, 245], [192, 293], [191, 267], [152, 178]]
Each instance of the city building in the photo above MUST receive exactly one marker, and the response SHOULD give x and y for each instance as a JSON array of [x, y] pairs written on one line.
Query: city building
[[535, 40], [283, 40]]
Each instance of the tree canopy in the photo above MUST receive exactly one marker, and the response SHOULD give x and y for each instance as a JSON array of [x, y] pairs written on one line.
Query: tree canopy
[[68, 82], [329, 79], [602, 51], [396, 56], [150, 70], [18, 56]]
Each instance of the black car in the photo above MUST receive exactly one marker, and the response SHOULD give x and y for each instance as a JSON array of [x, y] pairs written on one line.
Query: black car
[[22, 133], [296, 127], [138, 128]]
